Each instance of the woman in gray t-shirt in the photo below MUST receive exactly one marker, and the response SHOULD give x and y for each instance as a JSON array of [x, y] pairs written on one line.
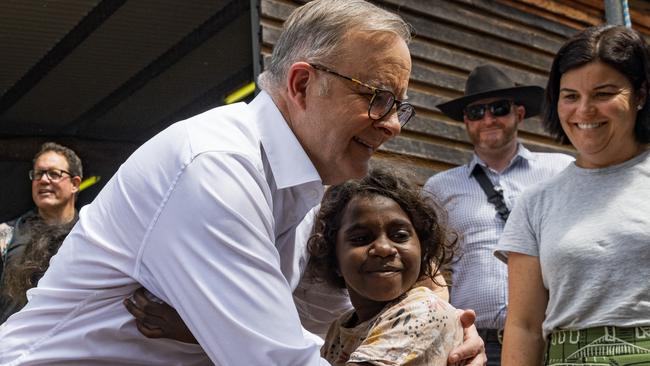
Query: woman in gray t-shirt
[[578, 246]]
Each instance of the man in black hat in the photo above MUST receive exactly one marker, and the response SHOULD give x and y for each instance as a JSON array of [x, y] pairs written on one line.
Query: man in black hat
[[480, 194]]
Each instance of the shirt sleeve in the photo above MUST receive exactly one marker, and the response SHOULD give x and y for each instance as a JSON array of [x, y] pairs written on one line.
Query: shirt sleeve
[[211, 255], [421, 327], [319, 304], [519, 234]]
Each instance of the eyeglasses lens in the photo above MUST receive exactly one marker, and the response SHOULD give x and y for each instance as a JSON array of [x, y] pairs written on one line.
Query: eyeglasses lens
[[404, 113], [499, 108], [381, 104], [53, 175]]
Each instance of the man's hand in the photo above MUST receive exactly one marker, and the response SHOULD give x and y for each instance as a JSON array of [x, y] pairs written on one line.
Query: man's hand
[[157, 320], [472, 350]]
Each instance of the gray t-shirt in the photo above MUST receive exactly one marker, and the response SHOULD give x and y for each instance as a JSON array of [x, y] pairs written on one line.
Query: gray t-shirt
[[590, 229]]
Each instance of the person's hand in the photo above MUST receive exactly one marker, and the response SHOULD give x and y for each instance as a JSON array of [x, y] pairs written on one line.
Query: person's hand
[[472, 350], [157, 319]]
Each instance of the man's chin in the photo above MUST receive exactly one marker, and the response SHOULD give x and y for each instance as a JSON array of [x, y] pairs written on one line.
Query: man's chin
[[46, 203]]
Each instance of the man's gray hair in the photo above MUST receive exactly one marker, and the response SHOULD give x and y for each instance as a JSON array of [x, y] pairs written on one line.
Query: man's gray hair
[[315, 32]]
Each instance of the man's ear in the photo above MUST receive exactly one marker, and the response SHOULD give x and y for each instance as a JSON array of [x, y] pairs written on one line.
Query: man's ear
[[299, 75], [76, 181], [520, 112]]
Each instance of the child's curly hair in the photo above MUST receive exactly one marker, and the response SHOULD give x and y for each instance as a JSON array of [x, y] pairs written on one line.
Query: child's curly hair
[[437, 241]]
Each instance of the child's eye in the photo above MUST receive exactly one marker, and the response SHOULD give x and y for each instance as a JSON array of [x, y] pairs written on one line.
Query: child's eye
[[401, 236], [358, 239]]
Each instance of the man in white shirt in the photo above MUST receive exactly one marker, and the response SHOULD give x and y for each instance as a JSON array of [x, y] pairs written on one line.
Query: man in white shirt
[[202, 214]]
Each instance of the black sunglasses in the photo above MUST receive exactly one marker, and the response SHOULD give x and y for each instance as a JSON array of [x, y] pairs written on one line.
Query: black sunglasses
[[498, 108], [382, 100]]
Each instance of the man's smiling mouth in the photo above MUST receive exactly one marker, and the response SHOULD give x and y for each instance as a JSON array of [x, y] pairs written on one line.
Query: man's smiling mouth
[[365, 143]]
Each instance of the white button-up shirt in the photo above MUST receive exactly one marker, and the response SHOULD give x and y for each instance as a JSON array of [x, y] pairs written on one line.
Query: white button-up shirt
[[202, 215]]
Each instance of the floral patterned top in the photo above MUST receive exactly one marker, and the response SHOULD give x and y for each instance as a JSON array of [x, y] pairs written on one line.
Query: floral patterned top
[[418, 328]]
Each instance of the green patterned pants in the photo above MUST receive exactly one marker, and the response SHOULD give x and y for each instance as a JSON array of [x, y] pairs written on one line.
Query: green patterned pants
[[600, 346]]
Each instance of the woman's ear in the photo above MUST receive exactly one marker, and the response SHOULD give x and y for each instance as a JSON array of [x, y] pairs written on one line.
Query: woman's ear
[[642, 96]]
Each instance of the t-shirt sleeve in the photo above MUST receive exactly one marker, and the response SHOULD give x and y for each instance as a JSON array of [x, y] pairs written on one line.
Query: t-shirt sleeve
[[520, 234], [420, 328]]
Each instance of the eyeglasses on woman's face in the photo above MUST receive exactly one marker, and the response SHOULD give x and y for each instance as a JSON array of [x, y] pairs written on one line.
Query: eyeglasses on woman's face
[[381, 102]]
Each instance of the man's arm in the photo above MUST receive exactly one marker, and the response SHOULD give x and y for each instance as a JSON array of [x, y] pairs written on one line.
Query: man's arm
[[156, 319], [211, 256], [472, 351], [523, 341]]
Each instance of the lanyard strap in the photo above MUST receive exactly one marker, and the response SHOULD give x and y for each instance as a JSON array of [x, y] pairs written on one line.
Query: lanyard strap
[[494, 194]]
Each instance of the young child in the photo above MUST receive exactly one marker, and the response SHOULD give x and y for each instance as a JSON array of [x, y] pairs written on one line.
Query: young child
[[380, 237]]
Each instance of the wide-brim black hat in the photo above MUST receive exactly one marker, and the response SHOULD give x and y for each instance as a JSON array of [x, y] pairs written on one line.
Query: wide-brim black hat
[[487, 81]]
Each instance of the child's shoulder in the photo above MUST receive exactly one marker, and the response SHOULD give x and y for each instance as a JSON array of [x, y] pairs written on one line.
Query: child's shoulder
[[423, 303], [418, 327]]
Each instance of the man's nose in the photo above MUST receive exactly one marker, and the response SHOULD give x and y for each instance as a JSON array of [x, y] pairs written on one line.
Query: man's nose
[[389, 125]]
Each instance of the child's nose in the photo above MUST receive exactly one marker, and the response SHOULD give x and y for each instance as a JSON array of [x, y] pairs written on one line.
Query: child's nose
[[383, 247]]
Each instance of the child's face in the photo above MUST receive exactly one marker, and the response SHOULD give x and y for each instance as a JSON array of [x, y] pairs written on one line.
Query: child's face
[[377, 250]]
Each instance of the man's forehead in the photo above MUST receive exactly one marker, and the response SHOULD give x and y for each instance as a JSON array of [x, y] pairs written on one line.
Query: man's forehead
[[51, 158], [389, 76], [377, 59]]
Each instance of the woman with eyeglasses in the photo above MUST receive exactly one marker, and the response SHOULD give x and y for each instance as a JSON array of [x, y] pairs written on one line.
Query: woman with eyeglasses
[[578, 245], [28, 243]]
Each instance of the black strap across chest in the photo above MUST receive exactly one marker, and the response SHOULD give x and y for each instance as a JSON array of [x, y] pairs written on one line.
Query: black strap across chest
[[494, 194]]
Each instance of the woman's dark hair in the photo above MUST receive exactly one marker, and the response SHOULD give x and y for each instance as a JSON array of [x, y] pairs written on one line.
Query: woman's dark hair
[[26, 270], [438, 243], [621, 48]]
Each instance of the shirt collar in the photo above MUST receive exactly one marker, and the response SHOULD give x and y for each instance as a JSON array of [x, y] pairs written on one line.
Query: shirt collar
[[522, 154], [288, 160]]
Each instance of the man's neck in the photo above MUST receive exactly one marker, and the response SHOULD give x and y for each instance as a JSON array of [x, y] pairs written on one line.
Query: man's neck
[[497, 159], [58, 217]]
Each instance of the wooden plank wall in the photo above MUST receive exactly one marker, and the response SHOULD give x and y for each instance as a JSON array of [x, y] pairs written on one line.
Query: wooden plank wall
[[451, 38]]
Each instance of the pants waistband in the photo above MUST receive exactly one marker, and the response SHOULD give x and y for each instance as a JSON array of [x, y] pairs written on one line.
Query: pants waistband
[[606, 333], [607, 345], [491, 335]]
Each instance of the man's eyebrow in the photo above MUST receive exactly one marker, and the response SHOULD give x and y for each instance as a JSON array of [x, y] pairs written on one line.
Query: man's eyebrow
[[401, 95]]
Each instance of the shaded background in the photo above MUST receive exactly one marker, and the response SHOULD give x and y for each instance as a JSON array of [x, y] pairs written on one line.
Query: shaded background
[[104, 76]]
